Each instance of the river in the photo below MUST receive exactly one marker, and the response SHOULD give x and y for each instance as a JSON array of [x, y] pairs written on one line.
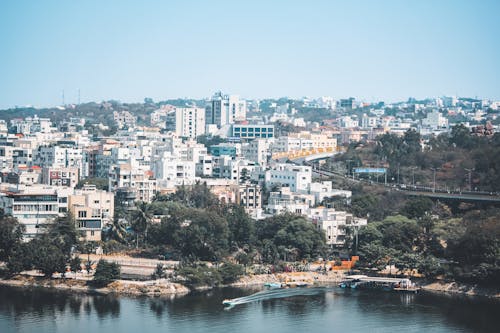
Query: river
[[316, 310]]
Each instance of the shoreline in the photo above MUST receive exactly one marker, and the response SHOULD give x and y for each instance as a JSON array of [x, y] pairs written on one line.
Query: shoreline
[[461, 289], [163, 287]]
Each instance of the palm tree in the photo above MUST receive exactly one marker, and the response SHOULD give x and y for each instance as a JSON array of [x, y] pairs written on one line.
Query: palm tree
[[118, 231], [141, 218]]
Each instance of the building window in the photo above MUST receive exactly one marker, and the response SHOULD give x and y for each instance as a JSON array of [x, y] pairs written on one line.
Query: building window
[[82, 213]]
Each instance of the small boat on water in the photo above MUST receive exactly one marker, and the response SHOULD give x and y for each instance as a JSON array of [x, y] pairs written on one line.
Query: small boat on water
[[273, 285]]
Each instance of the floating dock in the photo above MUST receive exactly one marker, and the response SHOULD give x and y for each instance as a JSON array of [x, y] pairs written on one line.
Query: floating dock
[[374, 282]]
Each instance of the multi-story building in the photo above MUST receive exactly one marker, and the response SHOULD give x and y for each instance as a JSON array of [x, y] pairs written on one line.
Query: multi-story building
[[131, 176], [35, 206], [325, 190], [435, 120], [124, 118], [174, 170], [296, 177], [249, 196], [31, 125], [252, 131], [257, 150], [334, 223], [92, 209], [223, 149], [303, 140], [225, 109], [186, 122], [347, 103], [286, 201], [59, 155], [60, 176]]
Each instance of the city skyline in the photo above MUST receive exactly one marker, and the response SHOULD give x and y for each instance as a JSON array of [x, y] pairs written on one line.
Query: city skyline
[[386, 51]]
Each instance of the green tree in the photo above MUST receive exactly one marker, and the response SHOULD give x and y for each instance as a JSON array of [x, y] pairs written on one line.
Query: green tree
[[106, 272], [417, 207], [241, 226], [301, 235], [230, 272], [21, 258], [48, 258], [206, 235], [75, 264], [159, 272], [197, 275], [141, 220], [11, 234], [62, 233]]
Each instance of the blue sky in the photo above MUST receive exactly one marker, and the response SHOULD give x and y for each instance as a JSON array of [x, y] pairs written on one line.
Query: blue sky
[[128, 50]]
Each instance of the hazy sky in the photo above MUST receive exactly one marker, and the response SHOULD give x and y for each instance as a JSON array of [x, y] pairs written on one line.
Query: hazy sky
[[128, 50]]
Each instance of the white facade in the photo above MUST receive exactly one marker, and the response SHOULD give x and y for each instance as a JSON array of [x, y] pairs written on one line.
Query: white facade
[[435, 120], [35, 206], [225, 109], [175, 170], [186, 122], [257, 151], [325, 190], [296, 177], [59, 156], [334, 223]]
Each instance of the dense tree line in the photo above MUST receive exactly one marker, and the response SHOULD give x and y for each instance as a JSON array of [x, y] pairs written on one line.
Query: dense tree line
[[451, 155], [196, 226], [466, 249], [50, 251]]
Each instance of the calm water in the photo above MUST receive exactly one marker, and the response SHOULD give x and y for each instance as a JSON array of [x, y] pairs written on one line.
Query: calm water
[[322, 310]]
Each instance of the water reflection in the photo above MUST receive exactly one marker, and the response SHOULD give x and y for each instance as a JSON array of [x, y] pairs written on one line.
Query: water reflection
[[45, 303], [360, 311]]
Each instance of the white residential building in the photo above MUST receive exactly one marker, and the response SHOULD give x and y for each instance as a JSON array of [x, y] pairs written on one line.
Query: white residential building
[[435, 120], [124, 118], [186, 122], [174, 170], [225, 109], [257, 150], [35, 206], [334, 223], [297, 178], [132, 176], [325, 190], [286, 201], [59, 156]]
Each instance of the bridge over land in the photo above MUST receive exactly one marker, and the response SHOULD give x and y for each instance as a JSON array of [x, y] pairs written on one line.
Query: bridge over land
[[306, 155], [409, 189]]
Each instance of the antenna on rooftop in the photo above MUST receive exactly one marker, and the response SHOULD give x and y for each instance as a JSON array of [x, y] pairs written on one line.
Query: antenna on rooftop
[[78, 96], [63, 97]]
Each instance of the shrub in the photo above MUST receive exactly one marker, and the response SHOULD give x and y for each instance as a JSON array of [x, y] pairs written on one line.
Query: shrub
[[106, 272], [230, 272], [197, 275]]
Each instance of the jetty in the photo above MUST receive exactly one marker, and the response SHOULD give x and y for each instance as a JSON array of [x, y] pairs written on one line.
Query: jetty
[[375, 282]]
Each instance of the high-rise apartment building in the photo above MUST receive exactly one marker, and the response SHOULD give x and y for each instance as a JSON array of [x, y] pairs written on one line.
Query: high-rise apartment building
[[186, 122], [225, 109]]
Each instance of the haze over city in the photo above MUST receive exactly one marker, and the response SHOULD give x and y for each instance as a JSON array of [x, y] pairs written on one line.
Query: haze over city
[[128, 50], [251, 165]]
